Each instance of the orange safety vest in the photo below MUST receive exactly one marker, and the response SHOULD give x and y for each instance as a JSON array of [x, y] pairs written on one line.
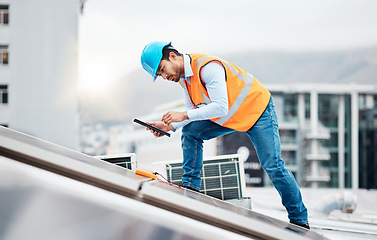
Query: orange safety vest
[[247, 97]]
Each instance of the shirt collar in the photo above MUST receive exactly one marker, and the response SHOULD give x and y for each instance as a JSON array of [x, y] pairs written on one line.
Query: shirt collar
[[187, 66]]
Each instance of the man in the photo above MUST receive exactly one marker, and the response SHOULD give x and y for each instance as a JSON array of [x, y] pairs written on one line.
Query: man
[[221, 98]]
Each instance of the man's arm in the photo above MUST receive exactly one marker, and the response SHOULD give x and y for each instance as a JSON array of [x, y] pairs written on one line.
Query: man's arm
[[213, 75]]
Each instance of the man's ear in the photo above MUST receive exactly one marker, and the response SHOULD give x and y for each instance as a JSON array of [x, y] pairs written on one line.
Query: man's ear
[[172, 55]]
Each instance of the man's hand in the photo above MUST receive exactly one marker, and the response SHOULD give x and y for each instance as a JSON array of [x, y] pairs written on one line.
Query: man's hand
[[161, 126], [173, 116]]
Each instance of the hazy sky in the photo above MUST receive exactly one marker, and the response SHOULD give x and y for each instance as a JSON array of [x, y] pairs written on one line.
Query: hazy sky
[[114, 32]]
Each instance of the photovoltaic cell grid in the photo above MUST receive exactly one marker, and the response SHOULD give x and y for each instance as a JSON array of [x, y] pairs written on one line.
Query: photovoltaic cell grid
[[220, 177]]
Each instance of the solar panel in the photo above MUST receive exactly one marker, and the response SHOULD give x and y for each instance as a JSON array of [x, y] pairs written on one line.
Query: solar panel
[[67, 162], [88, 174], [222, 214], [37, 204]]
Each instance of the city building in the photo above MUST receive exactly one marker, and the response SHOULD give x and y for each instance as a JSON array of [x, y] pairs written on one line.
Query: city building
[[319, 130], [38, 68]]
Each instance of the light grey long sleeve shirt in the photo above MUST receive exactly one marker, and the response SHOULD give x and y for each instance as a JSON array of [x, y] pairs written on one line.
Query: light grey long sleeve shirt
[[213, 76]]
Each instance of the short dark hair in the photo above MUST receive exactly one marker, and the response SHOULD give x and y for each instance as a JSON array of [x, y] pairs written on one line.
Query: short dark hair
[[167, 50]]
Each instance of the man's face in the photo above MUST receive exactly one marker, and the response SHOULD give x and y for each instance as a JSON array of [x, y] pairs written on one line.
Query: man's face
[[170, 69]]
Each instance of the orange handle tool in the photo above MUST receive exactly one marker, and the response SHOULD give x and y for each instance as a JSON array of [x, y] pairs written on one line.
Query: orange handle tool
[[145, 174]]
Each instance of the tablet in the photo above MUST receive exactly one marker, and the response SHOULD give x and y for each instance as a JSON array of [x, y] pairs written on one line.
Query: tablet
[[151, 127]]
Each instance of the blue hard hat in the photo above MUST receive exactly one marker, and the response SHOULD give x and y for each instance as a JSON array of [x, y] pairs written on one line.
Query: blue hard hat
[[151, 57]]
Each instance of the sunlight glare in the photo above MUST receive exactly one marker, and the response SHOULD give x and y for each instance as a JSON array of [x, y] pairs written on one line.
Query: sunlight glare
[[95, 80]]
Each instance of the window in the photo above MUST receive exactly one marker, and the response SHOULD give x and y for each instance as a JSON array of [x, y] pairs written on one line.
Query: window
[[3, 55], [290, 107], [3, 94], [4, 14]]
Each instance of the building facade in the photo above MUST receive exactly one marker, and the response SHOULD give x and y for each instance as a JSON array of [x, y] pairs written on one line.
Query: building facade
[[38, 68], [322, 121], [319, 130]]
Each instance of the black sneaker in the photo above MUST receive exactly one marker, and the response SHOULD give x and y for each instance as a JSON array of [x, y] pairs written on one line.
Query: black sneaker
[[304, 225]]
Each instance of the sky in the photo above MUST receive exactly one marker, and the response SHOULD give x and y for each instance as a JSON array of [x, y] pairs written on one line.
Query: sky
[[113, 33]]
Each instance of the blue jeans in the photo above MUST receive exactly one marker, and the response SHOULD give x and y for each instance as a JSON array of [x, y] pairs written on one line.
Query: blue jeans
[[265, 137]]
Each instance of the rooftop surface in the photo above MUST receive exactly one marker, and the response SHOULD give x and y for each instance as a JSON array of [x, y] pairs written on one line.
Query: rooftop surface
[[337, 225]]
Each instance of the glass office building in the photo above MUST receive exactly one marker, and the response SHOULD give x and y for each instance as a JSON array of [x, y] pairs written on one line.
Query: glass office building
[[319, 129]]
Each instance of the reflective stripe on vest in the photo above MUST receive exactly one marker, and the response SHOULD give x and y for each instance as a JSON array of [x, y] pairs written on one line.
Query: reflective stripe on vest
[[241, 97]]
